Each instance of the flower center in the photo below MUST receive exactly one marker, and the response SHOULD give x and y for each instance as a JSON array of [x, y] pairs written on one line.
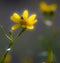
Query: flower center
[[22, 18], [23, 22]]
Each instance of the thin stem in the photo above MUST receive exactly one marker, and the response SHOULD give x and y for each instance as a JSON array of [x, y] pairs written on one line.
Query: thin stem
[[4, 56], [4, 32], [50, 56], [18, 35], [50, 49], [10, 45]]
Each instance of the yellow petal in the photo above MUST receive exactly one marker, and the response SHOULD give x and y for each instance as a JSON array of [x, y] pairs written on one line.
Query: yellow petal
[[32, 17], [53, 7], [30, 27], [35, 21], [25, 14], [32, 22], [15, 18], [43, 6], [16, 26]]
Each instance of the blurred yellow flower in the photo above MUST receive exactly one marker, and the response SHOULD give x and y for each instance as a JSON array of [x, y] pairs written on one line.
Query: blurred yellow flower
[[23, 21], [27, 60], [47, 8], [7, 59]]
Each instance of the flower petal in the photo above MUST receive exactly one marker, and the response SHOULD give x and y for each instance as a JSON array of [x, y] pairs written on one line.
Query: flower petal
[[25, 14], [32, 17], [16, 26], [53, 7], [43, 7], [32, 22], [35, 21], [15, 18], [30, 27]]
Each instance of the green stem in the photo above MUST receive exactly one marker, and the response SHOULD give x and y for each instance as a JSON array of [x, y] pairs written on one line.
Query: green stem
[[4, 56], [50, 56], [19, 34], [4, 32], [10, 45]]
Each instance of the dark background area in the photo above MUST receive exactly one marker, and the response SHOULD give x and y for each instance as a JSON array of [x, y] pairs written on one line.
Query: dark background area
[[28, 43]]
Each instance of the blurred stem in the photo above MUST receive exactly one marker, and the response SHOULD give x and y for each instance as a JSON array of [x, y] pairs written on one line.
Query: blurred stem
[[51, 37], [11, 44], [18, 35], [50, 56], [4, 32], [5, 54]]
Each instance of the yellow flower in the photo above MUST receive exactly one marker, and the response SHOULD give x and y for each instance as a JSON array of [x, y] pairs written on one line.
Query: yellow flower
[[23, 21], [47, 8], [27, 59], [7, 59]]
